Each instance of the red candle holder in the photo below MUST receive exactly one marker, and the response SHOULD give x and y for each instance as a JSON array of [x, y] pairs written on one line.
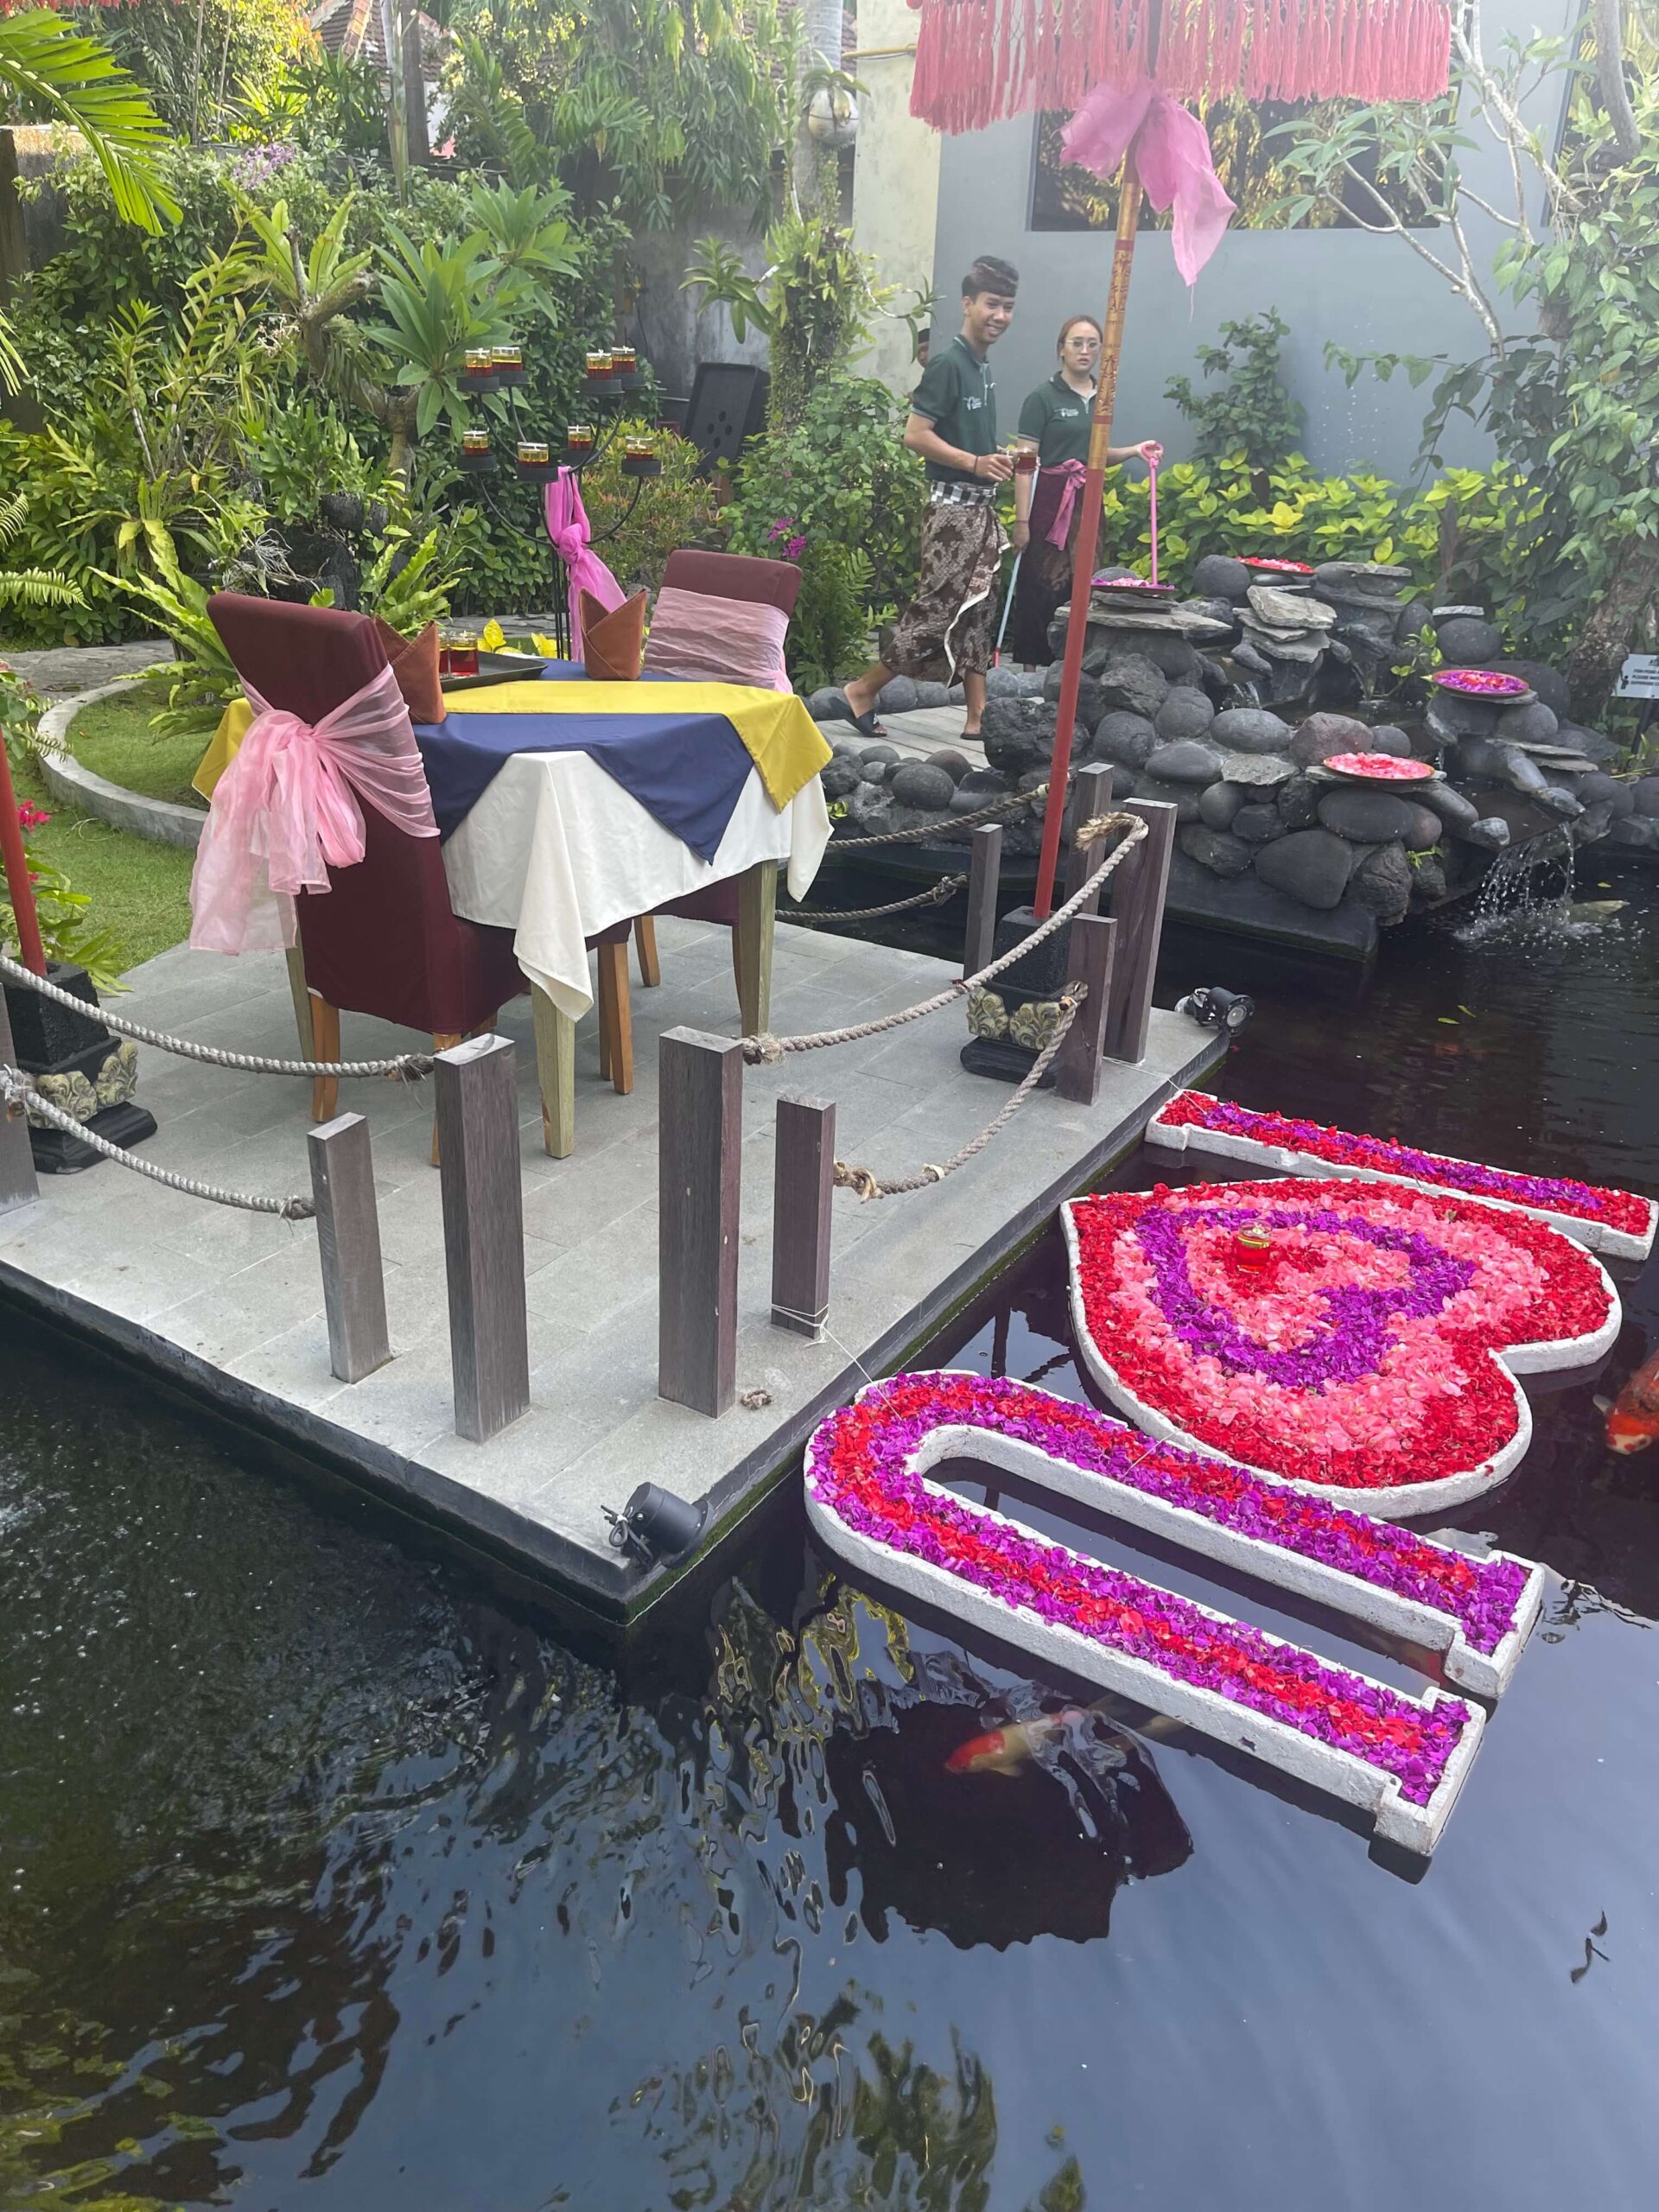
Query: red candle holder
[[1251, 1246]]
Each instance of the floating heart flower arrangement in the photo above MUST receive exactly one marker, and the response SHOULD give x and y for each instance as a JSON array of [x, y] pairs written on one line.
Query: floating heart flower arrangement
[[1370, 1348]]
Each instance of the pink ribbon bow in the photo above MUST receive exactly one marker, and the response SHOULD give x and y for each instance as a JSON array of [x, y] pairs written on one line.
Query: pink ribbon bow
[[572, 535], [1172, 159], [284, 813], [1073, 472]]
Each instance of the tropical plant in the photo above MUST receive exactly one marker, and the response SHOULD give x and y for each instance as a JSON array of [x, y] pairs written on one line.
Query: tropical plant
[[49, 69], [30, 587], [66, 932], [321, 102], [201, 63], [1251, 412], [636, 534], [203, 675]]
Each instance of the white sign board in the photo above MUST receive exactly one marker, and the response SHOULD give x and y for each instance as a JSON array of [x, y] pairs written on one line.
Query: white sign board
[[1639, 677]]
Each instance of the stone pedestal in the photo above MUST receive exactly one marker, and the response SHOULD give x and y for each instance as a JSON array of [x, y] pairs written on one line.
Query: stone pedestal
[[1014, 1017], [79, 1066]]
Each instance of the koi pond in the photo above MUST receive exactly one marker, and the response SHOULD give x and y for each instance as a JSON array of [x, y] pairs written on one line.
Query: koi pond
[[332, 1878]]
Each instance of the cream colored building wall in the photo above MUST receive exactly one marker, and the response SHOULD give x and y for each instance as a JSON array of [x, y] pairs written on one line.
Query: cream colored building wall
[[895, 176]]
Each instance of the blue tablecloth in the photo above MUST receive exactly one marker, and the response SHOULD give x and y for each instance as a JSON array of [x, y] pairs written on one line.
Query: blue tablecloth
[[686, 768]]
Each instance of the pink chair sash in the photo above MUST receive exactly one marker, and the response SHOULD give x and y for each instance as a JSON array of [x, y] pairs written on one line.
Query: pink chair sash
[[1072, 472], [286, 810], [572, 535], [706, 637]]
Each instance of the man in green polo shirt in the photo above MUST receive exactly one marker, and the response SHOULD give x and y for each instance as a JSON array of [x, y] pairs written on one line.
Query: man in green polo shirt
[[946, 633]]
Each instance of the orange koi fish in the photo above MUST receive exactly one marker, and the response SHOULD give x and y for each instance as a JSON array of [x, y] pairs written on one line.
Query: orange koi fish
[[1633, 1417]]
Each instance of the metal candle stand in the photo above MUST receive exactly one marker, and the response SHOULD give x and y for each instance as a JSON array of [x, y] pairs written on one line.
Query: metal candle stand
[[640, 467]]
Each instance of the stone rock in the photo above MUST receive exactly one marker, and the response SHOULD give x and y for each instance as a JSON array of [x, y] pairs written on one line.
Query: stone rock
[[953, 764], [1217, 805], [1491, 831], [1644, 792], [1321, 735], [1368, 817], [1263, 770], [1386, 738], [1129, 684], [1091, 705], [1548, 683], [1429, 882], [916, 784], [1175, 658], [1373, 580], [1466, 641], [1534, 725], [1452, 716], [1590, 742], [1250, 729], [1607, 791], [1425, 831], [1639, 833], [1124, 781], [980, 785], [1018, 733], [1214, 850], [870, 808], [1413, 617], [1312, 865], [847, 749], [933, 696], [840, 778], [870, 755], [1258, 822], [1593, 824], [1219, 576], [825, 704], [897, 697], [1295, 611], [873, 771], [1299, 802], [1182, 797], [1384, 881], [1129, 739], [1186, 712], [1218, 611], [957, 696], [1187, 762], [1002, 684]]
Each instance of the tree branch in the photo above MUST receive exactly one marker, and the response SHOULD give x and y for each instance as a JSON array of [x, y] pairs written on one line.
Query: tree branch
[[1610, 77]]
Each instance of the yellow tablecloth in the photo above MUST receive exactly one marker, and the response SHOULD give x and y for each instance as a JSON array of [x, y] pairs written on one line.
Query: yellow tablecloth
[[780, 737]]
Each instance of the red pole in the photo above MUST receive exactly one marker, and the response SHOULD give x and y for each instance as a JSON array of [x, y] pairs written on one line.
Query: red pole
[[1083, 564], [22, 890]]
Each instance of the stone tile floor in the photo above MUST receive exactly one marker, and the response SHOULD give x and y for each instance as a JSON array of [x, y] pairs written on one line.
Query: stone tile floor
[[242, 1293]]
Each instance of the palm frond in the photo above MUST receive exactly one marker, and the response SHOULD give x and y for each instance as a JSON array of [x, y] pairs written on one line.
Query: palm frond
[[77, 80]]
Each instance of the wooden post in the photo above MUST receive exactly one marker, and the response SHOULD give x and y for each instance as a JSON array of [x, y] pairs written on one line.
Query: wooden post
[[699, 1166], [1139, 888], [348, 1244], [984, 873], [1077, 1069], [18, 1184], [483, 1233], [1091, 797], [804, 1188]]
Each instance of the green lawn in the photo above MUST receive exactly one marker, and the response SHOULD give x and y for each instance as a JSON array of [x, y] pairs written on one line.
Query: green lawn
[[139, 891], [114, 738]]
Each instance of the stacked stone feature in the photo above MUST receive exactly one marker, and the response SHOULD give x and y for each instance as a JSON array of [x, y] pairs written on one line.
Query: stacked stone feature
[[80, 1067], [1372, 614], [1284, 634]]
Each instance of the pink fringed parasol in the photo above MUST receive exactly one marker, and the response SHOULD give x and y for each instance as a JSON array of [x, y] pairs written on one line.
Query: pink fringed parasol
[[1124, 62]]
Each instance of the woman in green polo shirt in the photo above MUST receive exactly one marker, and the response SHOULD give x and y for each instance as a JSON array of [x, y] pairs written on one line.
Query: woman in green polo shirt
[[1055, 423]]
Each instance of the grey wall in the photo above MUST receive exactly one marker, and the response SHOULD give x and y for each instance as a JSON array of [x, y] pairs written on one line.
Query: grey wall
[[1366, 293], [668, 329]]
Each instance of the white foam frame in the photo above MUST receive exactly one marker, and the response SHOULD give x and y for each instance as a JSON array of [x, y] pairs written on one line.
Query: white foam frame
[[1402, 1501], [1281, 1160], [1339, 1773]]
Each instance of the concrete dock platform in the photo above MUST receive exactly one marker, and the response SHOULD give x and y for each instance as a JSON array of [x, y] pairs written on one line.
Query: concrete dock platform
[[227, 1305]]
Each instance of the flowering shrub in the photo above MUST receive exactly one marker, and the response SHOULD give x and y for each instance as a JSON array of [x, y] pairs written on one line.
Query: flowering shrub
[[862, 1470], [1360, 1352]]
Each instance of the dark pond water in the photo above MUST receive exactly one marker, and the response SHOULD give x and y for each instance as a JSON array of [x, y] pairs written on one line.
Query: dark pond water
[[331, 1881]]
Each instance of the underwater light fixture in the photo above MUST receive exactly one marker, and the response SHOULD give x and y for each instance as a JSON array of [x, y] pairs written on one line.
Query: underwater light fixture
[[655, 1527], [1215, 1009]]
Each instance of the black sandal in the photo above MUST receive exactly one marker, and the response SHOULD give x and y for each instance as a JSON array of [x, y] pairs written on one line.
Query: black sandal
[[865, 724]]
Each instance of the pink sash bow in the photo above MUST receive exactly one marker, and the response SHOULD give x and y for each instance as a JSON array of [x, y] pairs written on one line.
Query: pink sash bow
[[572, 535], [1073, 474], [284, 813], [1171, 150]]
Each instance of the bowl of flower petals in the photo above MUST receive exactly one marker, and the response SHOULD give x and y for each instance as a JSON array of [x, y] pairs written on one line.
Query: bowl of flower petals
[[1380, 768], [1271, 567], [1482, 683]]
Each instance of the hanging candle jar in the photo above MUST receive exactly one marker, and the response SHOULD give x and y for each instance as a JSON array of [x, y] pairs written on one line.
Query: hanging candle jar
[[532, 453], [625, 362], [473, 442], [508, 358]]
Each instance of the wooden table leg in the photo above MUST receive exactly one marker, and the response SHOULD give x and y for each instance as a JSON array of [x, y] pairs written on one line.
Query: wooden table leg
[[644, 941], [325, 1035], [302, 998], [757, 909], [555, 1069], [615, 1018]]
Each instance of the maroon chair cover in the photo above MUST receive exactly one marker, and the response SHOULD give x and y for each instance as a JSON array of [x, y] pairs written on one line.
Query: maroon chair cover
[[727, 575], [383, 940]]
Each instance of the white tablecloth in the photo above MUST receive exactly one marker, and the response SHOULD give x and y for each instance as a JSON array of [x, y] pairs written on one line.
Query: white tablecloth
[[555, 851]]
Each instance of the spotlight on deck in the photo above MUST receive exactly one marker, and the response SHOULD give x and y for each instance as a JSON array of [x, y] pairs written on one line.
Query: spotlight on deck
[[1214, 1008], [657, 1527]]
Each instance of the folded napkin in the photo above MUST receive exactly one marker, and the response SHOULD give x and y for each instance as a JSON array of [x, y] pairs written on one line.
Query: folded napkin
[[614, 640]]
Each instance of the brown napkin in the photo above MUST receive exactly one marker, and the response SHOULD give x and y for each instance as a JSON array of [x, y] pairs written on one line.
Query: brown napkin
[[613, 644], [414, 664]]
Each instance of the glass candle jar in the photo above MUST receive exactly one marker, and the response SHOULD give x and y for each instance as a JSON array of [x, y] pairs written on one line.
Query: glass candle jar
[[532, 453], [625, 362], [475, 442], [640, 449], [1251, 1246], [579, 437], [463, 653], [479, 361], [507, 357], [599, 366]]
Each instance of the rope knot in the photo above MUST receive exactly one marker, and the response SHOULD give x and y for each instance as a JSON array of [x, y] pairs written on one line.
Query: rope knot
[[862, 1180], [760, 1051]]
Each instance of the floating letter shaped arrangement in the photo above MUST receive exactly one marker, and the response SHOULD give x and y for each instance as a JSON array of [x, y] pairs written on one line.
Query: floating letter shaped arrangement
[[1401, 1758]]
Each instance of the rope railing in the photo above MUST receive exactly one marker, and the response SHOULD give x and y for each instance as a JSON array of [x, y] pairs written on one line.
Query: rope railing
[[997, 810], [935, 895], [761, 1051], [16, 1090], [409, 1065]]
